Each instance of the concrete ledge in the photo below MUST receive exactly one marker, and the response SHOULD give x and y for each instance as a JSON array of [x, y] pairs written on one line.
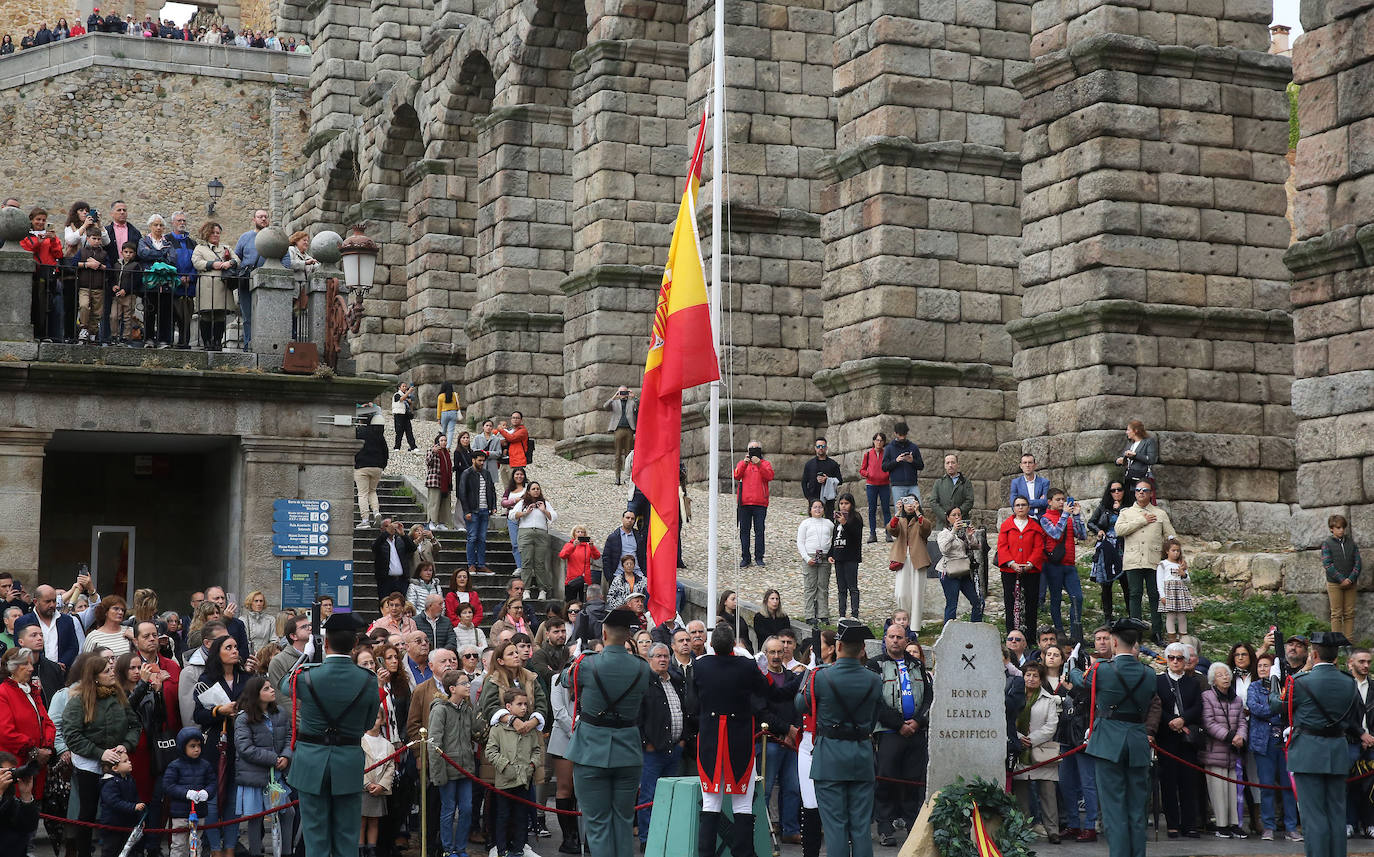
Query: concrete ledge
[[161, 56]]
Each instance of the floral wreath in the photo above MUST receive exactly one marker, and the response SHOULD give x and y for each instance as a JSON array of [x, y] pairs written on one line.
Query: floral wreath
[[951, 819]]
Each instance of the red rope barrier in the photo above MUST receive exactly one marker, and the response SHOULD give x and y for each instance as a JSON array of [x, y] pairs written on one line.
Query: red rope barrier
[[492, 788], [1064, 755], [1187, 764], [163, 831]]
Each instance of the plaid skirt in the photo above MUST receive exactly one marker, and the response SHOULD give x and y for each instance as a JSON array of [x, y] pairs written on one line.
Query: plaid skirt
[[1176, 597]]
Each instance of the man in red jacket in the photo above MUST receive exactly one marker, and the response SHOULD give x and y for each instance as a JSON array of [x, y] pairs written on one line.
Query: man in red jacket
[[753, 475]]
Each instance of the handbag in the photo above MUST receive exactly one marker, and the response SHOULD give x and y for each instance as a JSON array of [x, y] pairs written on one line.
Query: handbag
[[894, 565], [957, 566]]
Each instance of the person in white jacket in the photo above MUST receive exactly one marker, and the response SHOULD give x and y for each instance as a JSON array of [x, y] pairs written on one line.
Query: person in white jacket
[[813, 543], [535, 513]]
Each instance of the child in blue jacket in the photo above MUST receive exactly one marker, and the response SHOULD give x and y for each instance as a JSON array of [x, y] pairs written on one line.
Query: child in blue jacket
[[190, 782], [119, 805]]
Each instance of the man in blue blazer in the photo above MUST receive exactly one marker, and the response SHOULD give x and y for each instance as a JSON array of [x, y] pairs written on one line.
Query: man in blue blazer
[[1034, 488], [45, 616]]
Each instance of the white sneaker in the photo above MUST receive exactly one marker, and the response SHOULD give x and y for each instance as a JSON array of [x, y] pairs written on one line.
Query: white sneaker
[[1350, 831], [84, 336], [1294, 836], [1369, 832], [365, 523]]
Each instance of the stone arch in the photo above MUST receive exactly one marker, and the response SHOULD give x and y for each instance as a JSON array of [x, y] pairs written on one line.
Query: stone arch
[[552, 32], [342, 190]]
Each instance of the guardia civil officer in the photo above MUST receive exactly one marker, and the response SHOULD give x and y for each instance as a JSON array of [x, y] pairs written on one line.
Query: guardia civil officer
[[606, 750], [1118, 738], [333, 704], [728, 689], [1326, 713], [844, 698]]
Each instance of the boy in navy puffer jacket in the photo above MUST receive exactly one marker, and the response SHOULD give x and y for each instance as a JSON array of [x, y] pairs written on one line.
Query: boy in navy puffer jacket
[[190, 781], [119, 805]]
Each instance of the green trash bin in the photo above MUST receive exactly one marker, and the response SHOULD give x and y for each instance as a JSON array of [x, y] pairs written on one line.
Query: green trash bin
[[676, 812]]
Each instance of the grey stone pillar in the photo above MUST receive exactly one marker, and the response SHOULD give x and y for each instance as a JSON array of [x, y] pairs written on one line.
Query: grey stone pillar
[[273, 288], [1153, 281], [1333, 281], [21, 498], [16, 287]]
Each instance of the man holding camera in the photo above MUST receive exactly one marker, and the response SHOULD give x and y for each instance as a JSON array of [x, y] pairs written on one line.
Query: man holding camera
[[18, 806], [624, 409], [753, 475]]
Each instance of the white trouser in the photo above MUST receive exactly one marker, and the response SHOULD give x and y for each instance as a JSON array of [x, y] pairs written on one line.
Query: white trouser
[[808, 786], [739, 803]]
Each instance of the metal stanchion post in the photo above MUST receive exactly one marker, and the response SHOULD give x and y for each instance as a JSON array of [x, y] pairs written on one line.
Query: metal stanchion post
[[423, 748]]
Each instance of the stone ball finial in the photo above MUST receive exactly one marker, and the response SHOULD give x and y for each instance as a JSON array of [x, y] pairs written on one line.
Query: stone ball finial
[[14, 225], [325, 248], [272, 243]]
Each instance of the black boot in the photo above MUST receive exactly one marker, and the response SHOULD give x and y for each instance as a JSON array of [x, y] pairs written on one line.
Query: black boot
[[742, 842], [707, 831], [811, 832], [568, 824], [854, 597]]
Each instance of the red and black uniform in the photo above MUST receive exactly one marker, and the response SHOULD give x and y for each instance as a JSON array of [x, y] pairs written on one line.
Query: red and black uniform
[[727, 689]]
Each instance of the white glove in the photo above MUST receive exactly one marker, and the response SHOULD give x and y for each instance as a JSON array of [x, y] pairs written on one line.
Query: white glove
[[202, 796], [191, 795]]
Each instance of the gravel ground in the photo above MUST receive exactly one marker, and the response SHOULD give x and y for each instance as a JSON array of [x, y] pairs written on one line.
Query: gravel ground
[[583, 495]]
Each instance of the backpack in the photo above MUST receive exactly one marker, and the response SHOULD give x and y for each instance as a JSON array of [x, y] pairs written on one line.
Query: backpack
[[529, 449]]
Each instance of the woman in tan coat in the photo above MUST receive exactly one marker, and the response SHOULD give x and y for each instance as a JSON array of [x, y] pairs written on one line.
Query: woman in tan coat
[[214, 294], [909, 558]]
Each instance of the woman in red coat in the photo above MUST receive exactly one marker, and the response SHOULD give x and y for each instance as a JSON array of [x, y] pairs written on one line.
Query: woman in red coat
[[1020, 554], [26, 730]]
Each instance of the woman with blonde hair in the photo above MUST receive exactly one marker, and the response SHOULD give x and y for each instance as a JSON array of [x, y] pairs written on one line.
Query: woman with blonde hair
[[206, 611], [145, 607], [259, 621], [215, 292]]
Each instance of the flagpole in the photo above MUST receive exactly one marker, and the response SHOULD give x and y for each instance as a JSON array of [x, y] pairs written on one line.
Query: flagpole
[[713, 432]]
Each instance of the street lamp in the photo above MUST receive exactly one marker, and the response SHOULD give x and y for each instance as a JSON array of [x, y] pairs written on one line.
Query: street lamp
[[216, 188], [359, 260]]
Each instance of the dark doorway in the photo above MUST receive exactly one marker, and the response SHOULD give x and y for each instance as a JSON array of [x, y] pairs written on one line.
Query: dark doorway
[[175, 492]]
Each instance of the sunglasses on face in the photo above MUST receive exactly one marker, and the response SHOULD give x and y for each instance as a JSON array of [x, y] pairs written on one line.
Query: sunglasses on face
[[1118, 490], [1142, 490], [469, 657], [1174, 657]]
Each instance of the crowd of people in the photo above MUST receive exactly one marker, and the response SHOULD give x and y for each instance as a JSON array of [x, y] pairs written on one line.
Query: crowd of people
[[109, 283], [213, 32], [115, 713]]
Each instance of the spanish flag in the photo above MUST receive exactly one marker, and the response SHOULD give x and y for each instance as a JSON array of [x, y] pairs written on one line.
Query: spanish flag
[[981, 838], [681, 355]]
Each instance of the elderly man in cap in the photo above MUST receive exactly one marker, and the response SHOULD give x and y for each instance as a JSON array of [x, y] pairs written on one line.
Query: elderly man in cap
[[606, 750], [333, 704], [1124, 689], [1326, 714], [843, 700]]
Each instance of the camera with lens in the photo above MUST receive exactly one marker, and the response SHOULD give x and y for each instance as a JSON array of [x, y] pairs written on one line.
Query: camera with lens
[[27, 771]]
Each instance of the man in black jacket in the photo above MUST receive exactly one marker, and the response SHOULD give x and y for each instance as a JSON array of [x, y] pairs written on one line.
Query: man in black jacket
[[588, 624], [50, 674], [1180, 697], [391, 553], [664, 726], [622, 538], [902, 739], [815, 474], [478, 498]]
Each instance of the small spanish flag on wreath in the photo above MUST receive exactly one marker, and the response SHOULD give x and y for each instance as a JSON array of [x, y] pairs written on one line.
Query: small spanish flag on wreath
[[981, 838]]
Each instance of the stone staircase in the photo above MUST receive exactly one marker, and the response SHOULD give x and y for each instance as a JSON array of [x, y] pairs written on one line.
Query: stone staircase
[[397, 502]]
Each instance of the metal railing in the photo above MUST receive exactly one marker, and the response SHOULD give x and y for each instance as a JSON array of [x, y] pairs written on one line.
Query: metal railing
[[158, 309]]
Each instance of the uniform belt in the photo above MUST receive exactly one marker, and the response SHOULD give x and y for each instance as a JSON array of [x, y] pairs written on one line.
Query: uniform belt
[[328, 740], [1323, 731], [842, 733], [608, 721], [1126, 718]]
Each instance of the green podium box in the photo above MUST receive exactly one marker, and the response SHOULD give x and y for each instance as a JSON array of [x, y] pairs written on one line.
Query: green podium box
[[677, 811]]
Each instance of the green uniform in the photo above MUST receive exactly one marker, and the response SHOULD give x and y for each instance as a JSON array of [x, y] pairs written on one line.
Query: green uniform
[[334, 704], [1325, 713], [606, 750], [1125, 688], [847, 698]]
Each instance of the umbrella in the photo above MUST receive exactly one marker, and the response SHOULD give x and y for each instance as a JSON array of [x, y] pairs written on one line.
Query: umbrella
[[134, 837]]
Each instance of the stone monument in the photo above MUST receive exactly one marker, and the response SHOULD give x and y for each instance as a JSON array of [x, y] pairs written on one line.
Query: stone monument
[[968, 723]]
